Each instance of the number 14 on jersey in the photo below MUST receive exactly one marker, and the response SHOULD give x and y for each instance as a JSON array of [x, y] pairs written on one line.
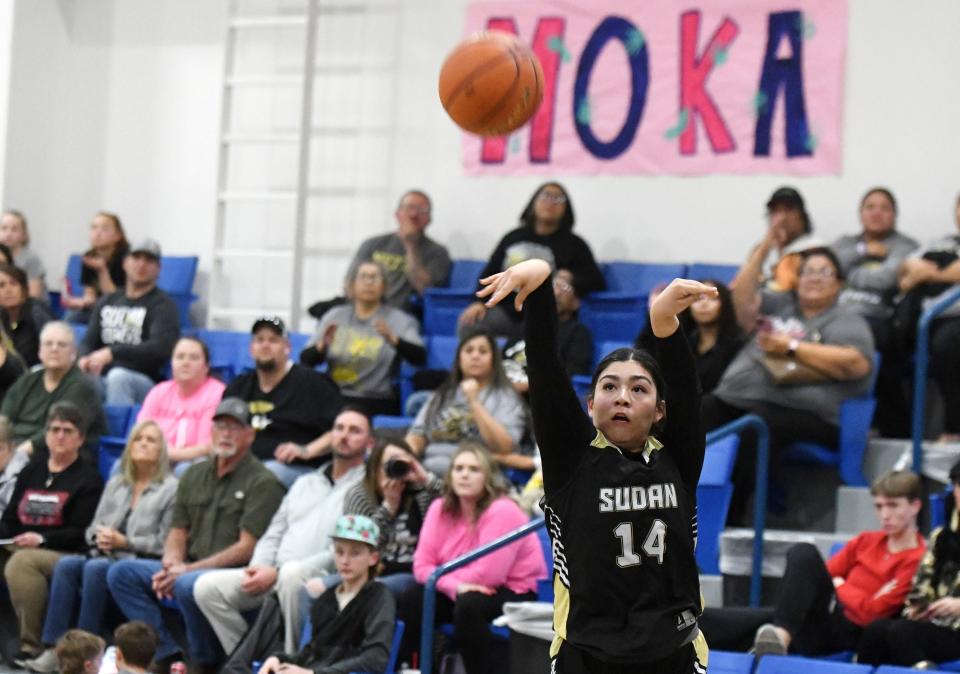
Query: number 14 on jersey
[[654, 545]]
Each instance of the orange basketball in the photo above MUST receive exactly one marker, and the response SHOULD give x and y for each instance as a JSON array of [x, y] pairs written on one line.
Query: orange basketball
[[491, 84]]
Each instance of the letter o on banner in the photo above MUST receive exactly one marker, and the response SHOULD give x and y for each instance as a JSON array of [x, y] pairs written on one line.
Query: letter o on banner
[[612, 28]]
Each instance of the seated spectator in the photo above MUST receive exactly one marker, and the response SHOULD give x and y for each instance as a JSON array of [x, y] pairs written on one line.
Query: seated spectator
[[775, 261], [869, 261], [132, 331], [363, 342], [292, 407], [16, 236], [806, 357], [52, 504], [413, 261], [824, 607], [183, 406], [12, 366], [574, 341], [545, 232], [476, 402], [221, 508], [23, 316], [710, 325], [80, 652], [396, 492], [472, 512], [352, 623], [925, 278], [102, 271], [132, 520], [11, 462], [29, 399], [927, 631], [135, 643], [295, 546]]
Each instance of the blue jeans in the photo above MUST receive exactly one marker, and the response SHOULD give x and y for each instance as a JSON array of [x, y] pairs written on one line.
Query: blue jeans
[[287, 473], [130, 584], [77, 580], [121, 386]]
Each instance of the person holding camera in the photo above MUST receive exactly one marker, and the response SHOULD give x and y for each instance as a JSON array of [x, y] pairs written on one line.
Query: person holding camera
[[296, 545], [395, 492]]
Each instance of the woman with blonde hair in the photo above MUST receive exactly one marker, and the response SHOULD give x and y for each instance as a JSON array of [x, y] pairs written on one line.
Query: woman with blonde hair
[[473, 511], [132, 520]]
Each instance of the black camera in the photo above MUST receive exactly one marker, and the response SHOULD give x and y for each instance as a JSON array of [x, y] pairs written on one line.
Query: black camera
[[396, 468]]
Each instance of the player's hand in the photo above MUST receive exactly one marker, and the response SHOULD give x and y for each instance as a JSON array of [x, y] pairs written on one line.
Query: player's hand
[[524, 277], [675, 298], [472, 314]]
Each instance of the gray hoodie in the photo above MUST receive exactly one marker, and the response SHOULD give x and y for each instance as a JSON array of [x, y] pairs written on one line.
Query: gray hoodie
[[871, 283]]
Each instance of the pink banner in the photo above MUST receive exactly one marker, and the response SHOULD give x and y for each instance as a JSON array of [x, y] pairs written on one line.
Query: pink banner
[[715, 86]]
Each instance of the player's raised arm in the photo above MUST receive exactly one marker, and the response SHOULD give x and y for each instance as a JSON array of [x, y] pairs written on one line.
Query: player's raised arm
[[684, 430]]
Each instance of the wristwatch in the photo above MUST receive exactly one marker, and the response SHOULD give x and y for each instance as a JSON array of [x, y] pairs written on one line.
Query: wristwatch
[[792, 347]]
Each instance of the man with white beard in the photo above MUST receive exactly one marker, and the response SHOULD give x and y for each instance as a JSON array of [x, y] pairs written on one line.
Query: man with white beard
[[223, 506]]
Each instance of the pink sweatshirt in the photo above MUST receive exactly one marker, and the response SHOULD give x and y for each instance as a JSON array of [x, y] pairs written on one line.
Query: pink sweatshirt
[[185, 421], [517, 566]]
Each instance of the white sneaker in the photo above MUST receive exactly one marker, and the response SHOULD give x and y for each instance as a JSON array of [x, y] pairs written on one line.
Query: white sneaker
[[768, 642], [45, 663]]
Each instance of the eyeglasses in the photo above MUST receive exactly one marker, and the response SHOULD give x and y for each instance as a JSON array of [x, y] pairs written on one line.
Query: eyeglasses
[[825, 273], [552, 198], [369, 276], [562, 285], [62, 430]]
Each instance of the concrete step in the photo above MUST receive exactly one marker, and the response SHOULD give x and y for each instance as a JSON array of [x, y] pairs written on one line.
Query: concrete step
[[854, 510]]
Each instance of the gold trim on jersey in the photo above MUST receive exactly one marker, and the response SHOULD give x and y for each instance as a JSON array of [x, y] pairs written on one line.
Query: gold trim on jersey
[[600, 442], [561, 609], [702, 652]]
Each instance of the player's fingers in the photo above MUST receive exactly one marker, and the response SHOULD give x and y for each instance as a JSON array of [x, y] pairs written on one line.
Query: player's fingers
[[522, 295], [486, 291], [503, 289], [490, 279]]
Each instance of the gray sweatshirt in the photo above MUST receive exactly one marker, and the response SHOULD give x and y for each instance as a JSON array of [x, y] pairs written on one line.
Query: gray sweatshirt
[[301, 528], [871, 282]]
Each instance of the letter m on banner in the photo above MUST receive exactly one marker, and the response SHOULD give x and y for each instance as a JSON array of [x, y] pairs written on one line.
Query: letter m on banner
[[547, 45]]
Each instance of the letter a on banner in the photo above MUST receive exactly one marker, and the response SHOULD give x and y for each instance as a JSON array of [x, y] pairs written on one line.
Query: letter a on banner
[[783, 74]]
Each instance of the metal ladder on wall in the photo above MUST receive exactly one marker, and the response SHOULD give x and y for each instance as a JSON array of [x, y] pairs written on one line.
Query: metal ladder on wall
[[305, 158]]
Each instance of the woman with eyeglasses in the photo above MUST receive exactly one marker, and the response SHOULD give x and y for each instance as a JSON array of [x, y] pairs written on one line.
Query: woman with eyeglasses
[[546, 233], [132, 520], [929, 629], [363, 341], [806, 357]]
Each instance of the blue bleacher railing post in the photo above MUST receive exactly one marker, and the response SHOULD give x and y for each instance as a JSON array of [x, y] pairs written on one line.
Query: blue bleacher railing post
[[921, 365], [760, 490], [430, 589]]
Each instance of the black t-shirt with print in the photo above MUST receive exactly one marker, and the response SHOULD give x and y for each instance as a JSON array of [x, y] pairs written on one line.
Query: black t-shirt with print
[[299, 409]]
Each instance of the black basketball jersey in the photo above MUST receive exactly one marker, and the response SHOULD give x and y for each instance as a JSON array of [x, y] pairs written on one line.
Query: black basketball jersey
[[622, 525]]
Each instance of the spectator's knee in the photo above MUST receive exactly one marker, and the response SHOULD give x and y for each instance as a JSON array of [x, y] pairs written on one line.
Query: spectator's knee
[[801, 553], [206, 590], [467, 607]]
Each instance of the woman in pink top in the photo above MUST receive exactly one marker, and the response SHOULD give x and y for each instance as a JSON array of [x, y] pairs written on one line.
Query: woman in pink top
[[472, 511], [183, 406]]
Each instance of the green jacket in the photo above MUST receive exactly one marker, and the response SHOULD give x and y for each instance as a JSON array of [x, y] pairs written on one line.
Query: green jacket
[[27, 402]]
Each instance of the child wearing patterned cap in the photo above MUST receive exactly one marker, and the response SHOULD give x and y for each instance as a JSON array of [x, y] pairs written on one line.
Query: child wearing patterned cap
[[352, 622]]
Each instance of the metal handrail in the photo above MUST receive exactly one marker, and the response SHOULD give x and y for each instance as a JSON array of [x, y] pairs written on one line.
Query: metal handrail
[[760, 513], [921, 365], [430, 589], [760, 490]]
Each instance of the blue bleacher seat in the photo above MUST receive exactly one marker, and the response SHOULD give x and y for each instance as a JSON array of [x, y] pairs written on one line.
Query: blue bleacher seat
[[614, 324], [725, 662], [724, 273], [788, 664], [464, 273], [386, 421], [441, 352], [118, 419], [545, 585], [714, 492], [298, 342], [177, 274], [938, 504], [229, 352], [74, 271], [893, 669], [442, 307], [79, 332], [640, 277], [856, 414], [606, 347], [953, 666]]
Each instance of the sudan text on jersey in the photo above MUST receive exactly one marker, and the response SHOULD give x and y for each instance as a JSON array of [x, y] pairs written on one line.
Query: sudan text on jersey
[[654, 496]]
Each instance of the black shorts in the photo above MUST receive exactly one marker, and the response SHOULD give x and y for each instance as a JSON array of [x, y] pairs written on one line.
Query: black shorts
[[573, 660]]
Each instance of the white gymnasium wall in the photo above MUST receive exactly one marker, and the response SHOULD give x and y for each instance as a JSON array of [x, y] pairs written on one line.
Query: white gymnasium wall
[[6, 50], [57, 115], [115, 104]]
